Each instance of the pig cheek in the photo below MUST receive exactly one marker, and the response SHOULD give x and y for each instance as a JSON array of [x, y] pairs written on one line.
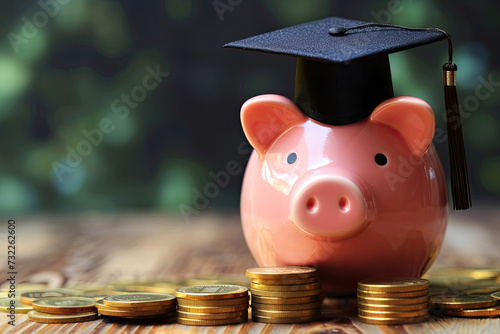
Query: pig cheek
[[278, 240], [291, 246]]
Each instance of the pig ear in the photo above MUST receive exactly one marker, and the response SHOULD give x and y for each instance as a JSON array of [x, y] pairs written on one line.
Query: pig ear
[[413, 118], [266, 117]]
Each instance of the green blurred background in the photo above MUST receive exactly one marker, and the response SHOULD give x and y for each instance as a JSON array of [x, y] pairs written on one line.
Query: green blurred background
[[67, 66]]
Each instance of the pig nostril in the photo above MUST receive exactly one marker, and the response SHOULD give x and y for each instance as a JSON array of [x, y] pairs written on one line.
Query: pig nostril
[[312, 205], [344, 204]]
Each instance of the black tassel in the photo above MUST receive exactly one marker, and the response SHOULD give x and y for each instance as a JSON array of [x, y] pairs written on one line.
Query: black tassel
[[458, 163]]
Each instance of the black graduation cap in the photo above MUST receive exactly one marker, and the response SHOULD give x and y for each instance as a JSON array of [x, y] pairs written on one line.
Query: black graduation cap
[[343, 73]]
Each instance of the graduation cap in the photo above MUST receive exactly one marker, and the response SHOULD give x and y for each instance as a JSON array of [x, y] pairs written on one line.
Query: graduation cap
[[343, 73]]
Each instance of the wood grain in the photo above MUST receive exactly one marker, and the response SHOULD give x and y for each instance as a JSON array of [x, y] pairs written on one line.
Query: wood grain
[[98, 248]]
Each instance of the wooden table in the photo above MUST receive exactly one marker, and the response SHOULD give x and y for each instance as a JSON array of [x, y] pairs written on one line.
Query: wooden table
[[98, 248]]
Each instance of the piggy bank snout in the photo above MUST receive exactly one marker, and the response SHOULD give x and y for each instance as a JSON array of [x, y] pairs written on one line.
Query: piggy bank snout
[[330, 206]]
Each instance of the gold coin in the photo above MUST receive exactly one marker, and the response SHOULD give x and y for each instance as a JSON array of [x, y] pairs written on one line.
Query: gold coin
[[140, 299], [495, 295], [289, 272], [50, 318], [295, 287], [211, 292], [101, 306], [285, 314], [481, 312], [64, 305], [393, 301], [286, 307], [399, 284], [166, 317], [463, 302], [274, 320], [117, 313], [285, 301], [8, 304], [286, 294], [212, 316], [157, 289], [385, 314], [393, 308], [391, 321], [285, 281], [29, 296], [364, 293], [214, 303], [215, 322], [217, 280], [141, 317], [221, 309]]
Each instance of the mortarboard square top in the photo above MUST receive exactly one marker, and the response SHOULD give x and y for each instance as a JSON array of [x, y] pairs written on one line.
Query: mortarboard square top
[[313, 41], [340, 79]]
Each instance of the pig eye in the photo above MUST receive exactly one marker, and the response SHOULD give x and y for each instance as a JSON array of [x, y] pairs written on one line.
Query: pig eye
[[292, 157], [381, 159]]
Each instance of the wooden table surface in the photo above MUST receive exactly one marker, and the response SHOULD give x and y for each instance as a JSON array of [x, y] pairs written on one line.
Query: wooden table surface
[[98, 248]]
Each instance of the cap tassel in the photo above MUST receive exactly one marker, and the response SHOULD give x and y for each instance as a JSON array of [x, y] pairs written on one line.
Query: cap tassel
[[458, 164]]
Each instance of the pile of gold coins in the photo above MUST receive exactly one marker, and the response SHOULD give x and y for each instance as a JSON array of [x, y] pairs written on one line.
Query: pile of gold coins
[[282, 295], [467, 306], [393, 301], [463, 292], [212, 305], [63, 310], [137, 305], [27, 297], [279, 295], [23, 303]]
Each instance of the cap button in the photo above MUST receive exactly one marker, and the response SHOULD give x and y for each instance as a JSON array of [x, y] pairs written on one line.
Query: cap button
[[337, 31]]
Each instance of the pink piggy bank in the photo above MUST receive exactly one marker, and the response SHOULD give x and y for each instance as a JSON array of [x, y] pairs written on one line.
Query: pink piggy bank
[[357, 201]]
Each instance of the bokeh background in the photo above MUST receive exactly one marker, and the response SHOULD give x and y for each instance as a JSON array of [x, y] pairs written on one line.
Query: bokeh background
[[67, 66]]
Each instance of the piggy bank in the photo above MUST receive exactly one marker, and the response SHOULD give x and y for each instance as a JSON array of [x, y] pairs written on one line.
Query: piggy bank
[[358, 201]]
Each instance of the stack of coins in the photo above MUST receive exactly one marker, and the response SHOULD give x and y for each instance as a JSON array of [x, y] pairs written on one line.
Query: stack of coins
[[28, 297], [393, 301], [62, 310], [467, 306], [212, 305], [282, 295], [137, 305]]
